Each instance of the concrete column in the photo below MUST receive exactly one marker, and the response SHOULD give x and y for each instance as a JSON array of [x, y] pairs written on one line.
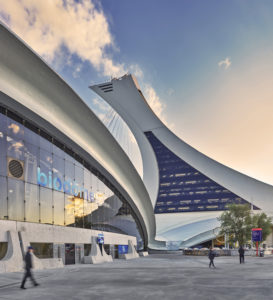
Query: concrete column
[[79, 253], [55, 250], [112, 251], [59, 251], [13, 260], [132, 253]]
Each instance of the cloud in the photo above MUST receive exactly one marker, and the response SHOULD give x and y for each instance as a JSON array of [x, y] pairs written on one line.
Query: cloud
[[226, 63], [48, 26], [136, 70], [155, 102], [60, 29], [102, 105], [102, 110], [77, 70]]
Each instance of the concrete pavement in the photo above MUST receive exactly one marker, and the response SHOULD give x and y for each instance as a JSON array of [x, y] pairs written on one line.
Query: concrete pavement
[[159, 276]]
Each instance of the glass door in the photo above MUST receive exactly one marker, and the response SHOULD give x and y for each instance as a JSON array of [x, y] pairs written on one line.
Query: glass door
[[69, 254]]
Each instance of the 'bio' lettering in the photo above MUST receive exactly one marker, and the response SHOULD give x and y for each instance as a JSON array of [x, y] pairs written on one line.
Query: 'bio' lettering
[[68, 186]]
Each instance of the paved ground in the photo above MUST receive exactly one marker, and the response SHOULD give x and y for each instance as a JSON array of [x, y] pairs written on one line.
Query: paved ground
[[159, 276]]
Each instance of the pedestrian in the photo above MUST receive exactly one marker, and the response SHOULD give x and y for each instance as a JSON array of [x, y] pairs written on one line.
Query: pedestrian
[[211, 257], [28, 267], [242, 254]]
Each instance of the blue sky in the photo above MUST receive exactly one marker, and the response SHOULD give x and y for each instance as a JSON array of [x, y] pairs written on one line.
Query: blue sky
[[204, 66]]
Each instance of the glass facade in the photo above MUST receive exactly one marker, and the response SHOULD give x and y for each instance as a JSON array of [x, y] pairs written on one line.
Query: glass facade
[[43, 181], [183, 188]]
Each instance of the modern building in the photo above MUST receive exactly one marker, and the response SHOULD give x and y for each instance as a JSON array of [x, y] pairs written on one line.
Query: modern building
[[188, 190], [63, 178], [65, 182]]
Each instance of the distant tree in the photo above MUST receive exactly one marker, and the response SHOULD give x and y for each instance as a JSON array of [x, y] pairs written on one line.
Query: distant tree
[[236, 222], [264, 222]]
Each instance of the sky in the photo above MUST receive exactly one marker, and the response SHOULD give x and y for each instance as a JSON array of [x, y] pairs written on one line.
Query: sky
[[205, 67]]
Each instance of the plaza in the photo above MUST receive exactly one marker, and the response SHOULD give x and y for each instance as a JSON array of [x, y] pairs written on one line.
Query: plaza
[[158, 276]]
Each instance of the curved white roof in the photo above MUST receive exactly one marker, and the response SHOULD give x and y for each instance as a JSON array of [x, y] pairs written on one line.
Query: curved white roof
[[27, 79]]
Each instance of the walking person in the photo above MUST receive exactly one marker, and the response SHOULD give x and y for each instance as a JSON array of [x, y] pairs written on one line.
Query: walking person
[[28, 267], [242, 254], [211, 257]]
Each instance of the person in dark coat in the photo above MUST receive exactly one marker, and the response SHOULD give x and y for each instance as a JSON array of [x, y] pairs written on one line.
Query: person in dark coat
[[242, 254], [211, 256], [28, 267]]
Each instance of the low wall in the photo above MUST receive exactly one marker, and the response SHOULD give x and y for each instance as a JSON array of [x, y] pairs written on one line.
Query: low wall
[[223, 252], [20, 235], [206, 252]]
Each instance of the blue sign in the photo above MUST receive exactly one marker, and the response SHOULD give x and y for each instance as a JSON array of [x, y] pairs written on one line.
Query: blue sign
[[122, 249], [257, 235], [100, 238]]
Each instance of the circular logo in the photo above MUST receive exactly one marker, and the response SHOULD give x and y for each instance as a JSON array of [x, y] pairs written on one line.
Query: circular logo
[[16, 168]]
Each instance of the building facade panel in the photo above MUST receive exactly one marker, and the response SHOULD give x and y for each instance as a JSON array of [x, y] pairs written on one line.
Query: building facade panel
[[183, 188]]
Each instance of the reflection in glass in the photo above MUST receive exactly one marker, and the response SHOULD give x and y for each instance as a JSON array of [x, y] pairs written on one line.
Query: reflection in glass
[[15, 129], [3, 154], [57, 151], [58, 167], [45, 144], [46, 205], [87, 210], [31, 163], [69, 210], [15, 148], [32, 211], [69, 171], [87, 179], [16, 193], [45, 168], [43, 250], [79, 175], [78, 203], [3, 198], [3, 249], [79, 211], [3, 123], [68, 158], [78, 198], [31, 137], [58, 200]]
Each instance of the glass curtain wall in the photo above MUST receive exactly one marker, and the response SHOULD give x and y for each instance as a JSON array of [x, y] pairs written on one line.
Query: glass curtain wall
[[41, 181]]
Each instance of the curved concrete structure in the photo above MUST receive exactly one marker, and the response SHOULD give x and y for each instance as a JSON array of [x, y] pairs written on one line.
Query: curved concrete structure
[[202, 201], [29, 86]]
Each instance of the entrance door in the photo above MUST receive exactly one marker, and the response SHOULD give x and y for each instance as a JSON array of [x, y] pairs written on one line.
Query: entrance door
[[69, 254]]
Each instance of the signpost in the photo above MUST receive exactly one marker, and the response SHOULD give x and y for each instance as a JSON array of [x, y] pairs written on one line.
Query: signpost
[[257, 236], [100, 239], [122, 249]]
